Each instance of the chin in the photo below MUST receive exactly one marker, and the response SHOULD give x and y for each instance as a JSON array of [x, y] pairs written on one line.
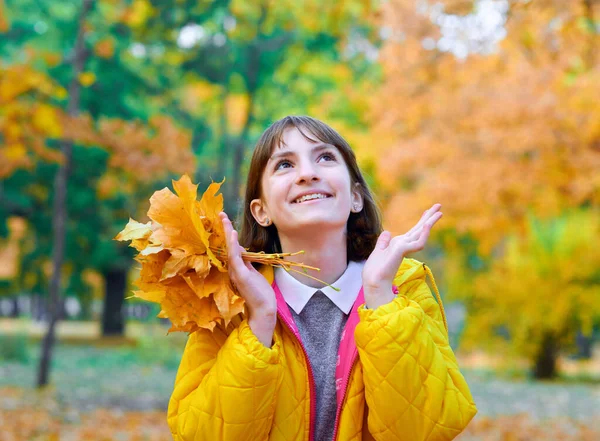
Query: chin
[[318, 221]]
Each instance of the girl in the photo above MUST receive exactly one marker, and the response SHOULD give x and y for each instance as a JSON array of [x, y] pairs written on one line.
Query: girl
[[368, 362]]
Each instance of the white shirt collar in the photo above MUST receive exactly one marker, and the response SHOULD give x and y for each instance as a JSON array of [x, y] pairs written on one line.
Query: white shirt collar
[[297, 294]]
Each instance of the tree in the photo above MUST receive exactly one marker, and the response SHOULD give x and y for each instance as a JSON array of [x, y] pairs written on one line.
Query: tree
[[143, 146], [229, 64], [140, 76], [60, 210], [498, 127], [548, 292], [456, 135]]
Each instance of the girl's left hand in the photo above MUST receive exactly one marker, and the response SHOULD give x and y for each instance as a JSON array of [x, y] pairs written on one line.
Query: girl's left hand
[[383, 263]]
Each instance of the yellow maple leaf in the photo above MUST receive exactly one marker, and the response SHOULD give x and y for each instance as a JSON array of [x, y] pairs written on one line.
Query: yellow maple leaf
[[227, 302], [181, 264], [135, 230], [176, 259], [178, 229], [210, 206]]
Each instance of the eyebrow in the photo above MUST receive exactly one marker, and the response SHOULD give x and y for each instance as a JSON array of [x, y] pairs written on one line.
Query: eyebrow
[[318, 147]]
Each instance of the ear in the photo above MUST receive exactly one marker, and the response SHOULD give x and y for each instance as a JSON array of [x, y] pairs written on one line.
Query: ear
[[259, 212], [357, 198]]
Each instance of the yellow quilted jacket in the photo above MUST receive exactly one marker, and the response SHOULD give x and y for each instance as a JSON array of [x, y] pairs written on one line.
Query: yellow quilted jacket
[[397, 377]]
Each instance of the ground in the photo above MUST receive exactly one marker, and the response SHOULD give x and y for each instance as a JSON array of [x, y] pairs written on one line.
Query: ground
[[121, 393]]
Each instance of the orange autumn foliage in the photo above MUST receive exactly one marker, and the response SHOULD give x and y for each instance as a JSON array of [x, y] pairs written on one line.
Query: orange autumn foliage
[[41, 416], [492, 136], [182, 267], [498, 138], [27, 118], [143, 151]]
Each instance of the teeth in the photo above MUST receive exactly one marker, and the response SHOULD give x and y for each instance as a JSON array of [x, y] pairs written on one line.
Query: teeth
[[311, 196]]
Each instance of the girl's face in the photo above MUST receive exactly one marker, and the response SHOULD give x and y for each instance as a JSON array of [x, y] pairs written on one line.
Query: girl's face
[[301, 167]]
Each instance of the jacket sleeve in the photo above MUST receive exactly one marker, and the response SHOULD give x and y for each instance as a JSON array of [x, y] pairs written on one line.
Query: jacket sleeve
[[413, 387], [225, 387]]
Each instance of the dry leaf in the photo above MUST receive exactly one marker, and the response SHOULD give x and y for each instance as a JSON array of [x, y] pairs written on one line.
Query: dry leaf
[[179, 270]]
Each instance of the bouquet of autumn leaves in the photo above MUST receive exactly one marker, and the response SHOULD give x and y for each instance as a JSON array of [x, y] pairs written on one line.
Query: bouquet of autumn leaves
[[183, 253]]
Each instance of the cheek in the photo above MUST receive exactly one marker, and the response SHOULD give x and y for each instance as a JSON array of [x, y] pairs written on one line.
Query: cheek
[[276, 194], [342, 187]]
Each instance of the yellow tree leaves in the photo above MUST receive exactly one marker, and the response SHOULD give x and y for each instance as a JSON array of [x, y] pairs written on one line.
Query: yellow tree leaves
[[546, 280], [496, 137], [524, 426], [138, 13], [183, 257], [491, 136], [26, 118]]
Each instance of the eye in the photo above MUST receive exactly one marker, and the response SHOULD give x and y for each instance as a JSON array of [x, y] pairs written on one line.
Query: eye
[[283, 161], [331, 156]]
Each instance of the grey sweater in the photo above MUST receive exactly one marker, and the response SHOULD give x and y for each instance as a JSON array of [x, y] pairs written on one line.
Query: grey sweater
[[320, 324]]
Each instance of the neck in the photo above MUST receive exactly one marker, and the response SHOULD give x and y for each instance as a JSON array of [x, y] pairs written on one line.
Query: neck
[[325, 250]]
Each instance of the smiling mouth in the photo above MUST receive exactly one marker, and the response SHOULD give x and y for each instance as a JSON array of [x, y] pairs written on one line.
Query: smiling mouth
[[311, 200]]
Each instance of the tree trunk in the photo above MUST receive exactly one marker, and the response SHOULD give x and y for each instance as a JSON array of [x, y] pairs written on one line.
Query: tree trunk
[[113, 317], [59, 218], [233, 196], [252, 73], [584, 346], [223, 131], [545, 363]]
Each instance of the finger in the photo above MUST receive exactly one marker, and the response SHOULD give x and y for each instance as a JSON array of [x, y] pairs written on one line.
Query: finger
[[427, 214], [413, 234], [233, 246], [242, 250], [419, 225], [227, 228], [418, 244], [436, 217], [383, 240], [250, 267], [422, 240], [226, 225]]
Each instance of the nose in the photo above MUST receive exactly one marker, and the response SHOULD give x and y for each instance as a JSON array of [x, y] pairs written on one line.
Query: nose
[[307, 172]]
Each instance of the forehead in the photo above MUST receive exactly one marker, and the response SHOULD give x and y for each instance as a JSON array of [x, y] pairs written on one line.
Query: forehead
[[293, 140]]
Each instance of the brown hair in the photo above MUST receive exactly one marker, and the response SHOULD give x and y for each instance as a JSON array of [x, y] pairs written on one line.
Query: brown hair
[[363, 228]]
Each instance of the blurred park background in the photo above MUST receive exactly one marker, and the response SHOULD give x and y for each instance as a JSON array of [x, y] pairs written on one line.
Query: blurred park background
[[490, 107]]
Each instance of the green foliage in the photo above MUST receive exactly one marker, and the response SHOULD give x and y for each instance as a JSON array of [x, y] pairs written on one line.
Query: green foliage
[[254, 62]]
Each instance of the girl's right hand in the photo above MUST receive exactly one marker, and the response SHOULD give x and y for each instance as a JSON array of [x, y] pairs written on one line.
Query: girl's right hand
[[252, 286]]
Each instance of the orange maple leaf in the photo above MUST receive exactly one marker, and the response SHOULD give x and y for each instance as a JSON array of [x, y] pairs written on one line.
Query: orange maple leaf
[[179, 269]]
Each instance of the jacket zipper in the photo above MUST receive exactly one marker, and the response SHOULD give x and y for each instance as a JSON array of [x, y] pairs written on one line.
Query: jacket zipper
[[311, 381], [339, 409]]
